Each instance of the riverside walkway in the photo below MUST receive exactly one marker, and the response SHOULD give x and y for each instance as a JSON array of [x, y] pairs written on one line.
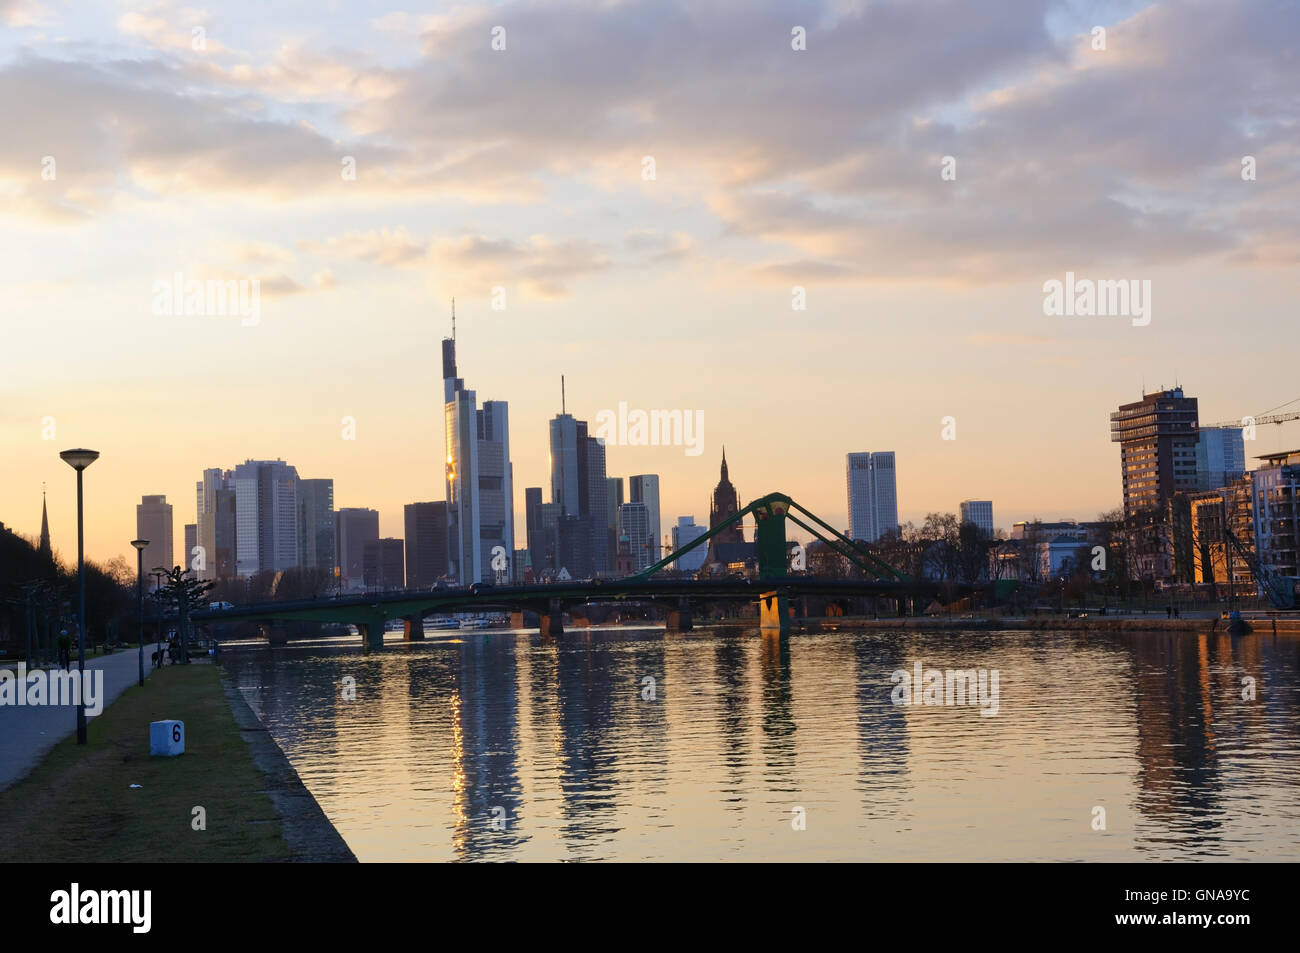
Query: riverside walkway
[[28, 732]]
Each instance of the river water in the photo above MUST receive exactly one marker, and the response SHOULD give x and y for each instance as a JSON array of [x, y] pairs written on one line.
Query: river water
[[503, 746]]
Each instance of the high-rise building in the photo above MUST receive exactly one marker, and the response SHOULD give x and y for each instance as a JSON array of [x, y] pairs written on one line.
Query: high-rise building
[[357, 527], [317, 533], [426, 544], [613, 500], [1157, 437], [979, 512], [537, 544], [873, 494], [480, 477], [1220, 457], [266, 516], [191, 543], [644, 488], [634, 531], [684, 533], [153, 521], [579, 489], [217, 526], [382, 566]]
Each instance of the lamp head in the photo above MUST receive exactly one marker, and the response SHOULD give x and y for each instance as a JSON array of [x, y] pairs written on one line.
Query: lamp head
[[139, 543], [79, 459]]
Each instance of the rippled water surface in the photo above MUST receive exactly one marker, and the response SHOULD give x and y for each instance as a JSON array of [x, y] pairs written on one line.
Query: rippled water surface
[[500, 745]]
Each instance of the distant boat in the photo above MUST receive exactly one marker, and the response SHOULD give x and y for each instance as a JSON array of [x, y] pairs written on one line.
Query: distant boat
[[442, 624], [474, 623]]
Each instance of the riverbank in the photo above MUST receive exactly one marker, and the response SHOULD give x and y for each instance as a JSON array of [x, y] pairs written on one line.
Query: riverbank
[[1091, 623], [110, 801]]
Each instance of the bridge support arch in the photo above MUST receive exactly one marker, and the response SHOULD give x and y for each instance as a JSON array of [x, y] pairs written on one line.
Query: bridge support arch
[[681, 619], [275, 633], [414, 628], [371, 628]]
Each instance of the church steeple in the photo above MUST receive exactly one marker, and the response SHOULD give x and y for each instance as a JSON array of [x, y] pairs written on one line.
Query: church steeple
[[724, 464], [44, 548]]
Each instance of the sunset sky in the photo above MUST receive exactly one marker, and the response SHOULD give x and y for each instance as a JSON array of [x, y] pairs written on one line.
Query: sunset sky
[[523, 169]]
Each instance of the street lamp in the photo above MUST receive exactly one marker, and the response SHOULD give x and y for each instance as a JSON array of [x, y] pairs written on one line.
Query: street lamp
[[139, 545], [157, 585], [80, 459]]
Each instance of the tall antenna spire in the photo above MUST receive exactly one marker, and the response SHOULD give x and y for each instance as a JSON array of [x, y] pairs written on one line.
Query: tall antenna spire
[[453, 319], [562, 410]]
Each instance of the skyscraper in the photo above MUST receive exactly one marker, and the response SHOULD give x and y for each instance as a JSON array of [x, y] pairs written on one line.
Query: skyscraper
[[382, 566], [634, 530], [613, 500], [979, 512], [317, 533], [191, 543], [873, 494], [426, 544], [537, 547], [266, 516], [153, 521], [480, 477], [579, 489], [644, 488], [357, 526]]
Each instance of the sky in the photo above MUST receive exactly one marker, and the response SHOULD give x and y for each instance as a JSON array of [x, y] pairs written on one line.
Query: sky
[[638, 196]]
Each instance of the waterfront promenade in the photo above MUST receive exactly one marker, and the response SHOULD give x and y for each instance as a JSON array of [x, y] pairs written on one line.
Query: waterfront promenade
[[27, 733]]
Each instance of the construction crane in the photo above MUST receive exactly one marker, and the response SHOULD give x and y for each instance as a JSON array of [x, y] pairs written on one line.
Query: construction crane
[[1279, 590], [1268, 417]]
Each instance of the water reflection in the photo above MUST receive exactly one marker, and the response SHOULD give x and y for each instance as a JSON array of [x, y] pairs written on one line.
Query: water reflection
[[629, 745]]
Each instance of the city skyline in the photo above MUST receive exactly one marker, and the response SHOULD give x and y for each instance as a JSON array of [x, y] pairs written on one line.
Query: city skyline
[[360, 225]]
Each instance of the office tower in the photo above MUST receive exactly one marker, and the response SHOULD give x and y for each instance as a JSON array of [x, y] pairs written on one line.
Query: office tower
[[613, 500], [537, 542], [979, 512], [634, 530], [357, 526], [426, 544], [1157, 438], [685, 532], [153, 521], [550, 538], [217, 526], [382, 566], [266, 516], [579, 489], [191, 544], [496, 497], [644, 488], [1220, 457], [317, 533], [873, 494], [480, 477]]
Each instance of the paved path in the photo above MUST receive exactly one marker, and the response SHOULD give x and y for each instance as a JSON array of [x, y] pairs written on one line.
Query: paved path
[[27, 733]]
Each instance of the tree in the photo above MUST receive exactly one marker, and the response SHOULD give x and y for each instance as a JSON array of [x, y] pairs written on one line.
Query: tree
[[186, 593]]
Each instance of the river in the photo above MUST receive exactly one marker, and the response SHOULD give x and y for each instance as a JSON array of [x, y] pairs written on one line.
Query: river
[[500, 745]]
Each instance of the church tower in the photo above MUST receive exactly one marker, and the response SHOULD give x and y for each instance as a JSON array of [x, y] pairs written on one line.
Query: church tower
[[44, 549], [724, 505]]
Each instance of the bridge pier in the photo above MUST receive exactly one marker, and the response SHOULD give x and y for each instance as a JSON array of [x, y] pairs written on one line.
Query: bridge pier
[[372, 632], [275, 633], [774, 611], [681, 618], [552, 620], [414, 628]]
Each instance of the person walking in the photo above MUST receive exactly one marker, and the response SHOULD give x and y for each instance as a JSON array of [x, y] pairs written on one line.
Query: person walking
[[65, 650]]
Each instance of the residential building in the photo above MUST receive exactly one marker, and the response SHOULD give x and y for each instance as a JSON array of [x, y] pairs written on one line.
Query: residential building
[[1158, 449]]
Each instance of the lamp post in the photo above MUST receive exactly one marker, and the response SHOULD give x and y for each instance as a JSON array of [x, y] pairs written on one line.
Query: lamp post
[[157, 585], [80, 459], [139, 545]]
